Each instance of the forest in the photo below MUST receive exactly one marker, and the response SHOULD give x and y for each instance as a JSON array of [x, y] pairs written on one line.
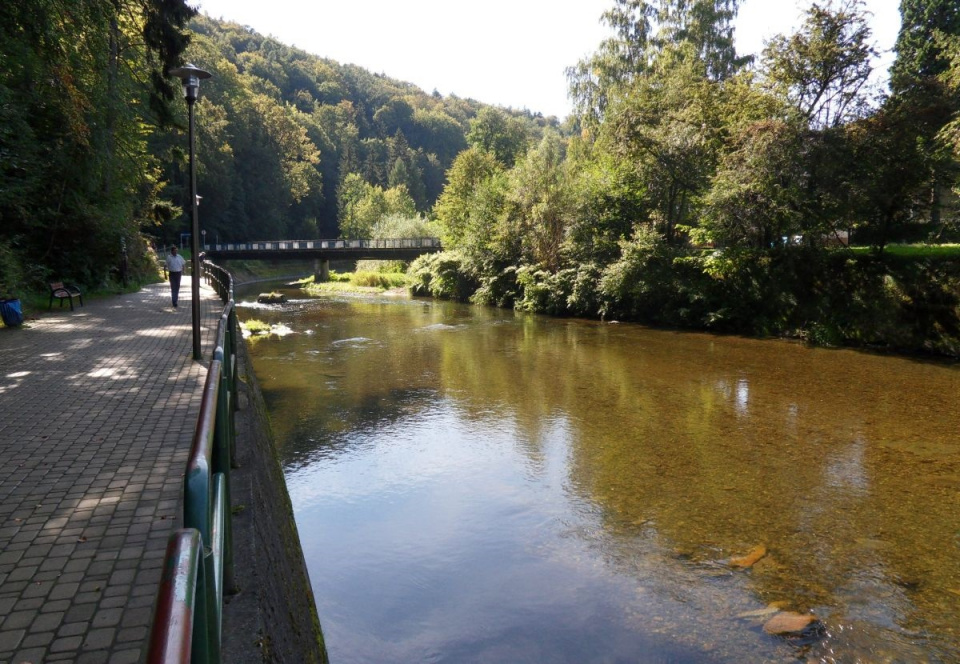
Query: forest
[[693, 187]]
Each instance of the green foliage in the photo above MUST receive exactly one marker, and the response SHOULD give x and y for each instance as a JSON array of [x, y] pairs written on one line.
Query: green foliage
[[823, 68], [641, 284], [383, 280], [540, 205], [81, 84], [492, 131], [700, 196], [921, 53], [282, 131], [697, 34], [364, 206], [441, 275], [398, 225], [471, 203], [254, 326]]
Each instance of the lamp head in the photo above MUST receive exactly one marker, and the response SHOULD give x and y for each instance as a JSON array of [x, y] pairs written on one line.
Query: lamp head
[[190, 75]]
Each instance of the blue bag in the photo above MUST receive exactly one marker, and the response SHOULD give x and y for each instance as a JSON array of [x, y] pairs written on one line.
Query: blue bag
[[11, 313]]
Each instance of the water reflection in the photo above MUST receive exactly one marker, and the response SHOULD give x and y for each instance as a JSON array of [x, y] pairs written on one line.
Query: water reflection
[[474, 485]]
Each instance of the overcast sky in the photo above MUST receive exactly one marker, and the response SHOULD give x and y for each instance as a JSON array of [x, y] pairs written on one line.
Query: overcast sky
[[504, 52]]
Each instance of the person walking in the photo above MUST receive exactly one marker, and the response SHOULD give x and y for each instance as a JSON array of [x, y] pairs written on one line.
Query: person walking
[[175, 265]]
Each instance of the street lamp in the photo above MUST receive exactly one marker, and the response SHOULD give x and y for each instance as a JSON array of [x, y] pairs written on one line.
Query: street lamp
[[190, 75]]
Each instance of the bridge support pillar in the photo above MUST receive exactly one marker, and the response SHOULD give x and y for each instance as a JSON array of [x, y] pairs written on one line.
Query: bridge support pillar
[[321, 269]]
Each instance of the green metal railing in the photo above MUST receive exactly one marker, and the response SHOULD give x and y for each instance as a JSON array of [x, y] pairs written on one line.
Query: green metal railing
[[198, 567]]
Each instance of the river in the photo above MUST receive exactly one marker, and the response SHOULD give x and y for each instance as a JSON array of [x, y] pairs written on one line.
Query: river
[[478, 485]]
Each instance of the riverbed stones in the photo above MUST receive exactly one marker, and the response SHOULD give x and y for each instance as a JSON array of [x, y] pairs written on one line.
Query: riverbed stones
[[751, 557], [788, 623], [271, 298]]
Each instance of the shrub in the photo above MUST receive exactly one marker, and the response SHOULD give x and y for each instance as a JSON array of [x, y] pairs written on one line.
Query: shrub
[[441, 275]]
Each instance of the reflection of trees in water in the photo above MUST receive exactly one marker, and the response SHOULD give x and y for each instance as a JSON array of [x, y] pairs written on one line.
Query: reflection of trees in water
[[842, 464], [722, 443]]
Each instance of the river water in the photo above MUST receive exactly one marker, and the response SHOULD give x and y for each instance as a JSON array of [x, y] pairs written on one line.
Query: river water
[[477, 485]]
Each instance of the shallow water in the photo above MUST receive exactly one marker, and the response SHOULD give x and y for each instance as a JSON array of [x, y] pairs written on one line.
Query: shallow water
[[474, 485]]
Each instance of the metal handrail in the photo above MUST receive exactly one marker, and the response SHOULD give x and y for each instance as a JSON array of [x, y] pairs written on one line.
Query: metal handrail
[[171, 639], [289, 245], [206, 511]]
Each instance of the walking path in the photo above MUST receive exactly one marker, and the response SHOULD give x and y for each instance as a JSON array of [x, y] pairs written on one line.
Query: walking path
[[97, 413]]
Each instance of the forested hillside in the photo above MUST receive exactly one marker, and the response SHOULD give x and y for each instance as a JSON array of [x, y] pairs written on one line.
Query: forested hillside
[[291, 142], [93, 144], [82, 90]]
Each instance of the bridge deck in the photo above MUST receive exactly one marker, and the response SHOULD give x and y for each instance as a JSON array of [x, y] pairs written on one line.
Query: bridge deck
[[99, 409], [400, 249]]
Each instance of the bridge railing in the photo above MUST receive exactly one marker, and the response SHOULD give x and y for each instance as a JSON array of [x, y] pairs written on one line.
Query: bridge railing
[[294, 245], [198, 567]]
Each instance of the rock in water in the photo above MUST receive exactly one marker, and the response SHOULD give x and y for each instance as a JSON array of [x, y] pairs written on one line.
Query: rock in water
[[749, 560], [271, 298], [788, 622]]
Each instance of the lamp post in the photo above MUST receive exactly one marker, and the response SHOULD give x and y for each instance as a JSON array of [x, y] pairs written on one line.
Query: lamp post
[[190, 75]]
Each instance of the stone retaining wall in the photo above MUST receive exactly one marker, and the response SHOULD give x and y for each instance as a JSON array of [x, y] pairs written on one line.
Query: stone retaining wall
[[273, 617]]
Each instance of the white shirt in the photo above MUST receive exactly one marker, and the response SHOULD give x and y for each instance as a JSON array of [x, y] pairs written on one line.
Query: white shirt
[[175, 263]]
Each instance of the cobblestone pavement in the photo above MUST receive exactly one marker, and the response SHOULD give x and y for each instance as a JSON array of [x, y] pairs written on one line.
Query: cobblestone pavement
[[98, 407]]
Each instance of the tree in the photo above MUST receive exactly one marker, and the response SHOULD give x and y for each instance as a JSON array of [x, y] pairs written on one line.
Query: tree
[[824, 67], [921, 56], [888, 175], [707, 25], [667, 127], [643, 31], [471, 204], [755, 199], [81, 90], [920, 86], [540, 202], [364, 205], [494, 132]]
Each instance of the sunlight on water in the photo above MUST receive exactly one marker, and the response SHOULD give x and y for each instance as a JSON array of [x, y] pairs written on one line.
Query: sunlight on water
[[475, 485]]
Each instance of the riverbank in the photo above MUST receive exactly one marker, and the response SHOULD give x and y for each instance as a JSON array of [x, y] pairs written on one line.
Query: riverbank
[[275, 608], [907, 304]]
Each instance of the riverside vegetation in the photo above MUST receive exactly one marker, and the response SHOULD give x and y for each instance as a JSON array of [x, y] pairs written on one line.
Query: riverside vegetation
[[693, 186]]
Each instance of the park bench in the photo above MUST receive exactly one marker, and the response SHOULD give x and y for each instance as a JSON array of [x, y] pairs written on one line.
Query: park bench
[[62, 291]]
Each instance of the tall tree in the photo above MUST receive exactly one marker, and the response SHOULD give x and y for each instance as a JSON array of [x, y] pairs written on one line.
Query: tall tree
[[77, 178], [707, 25], [920, 55], [824, 67], [919, 88], [502, 136], [643, 29]]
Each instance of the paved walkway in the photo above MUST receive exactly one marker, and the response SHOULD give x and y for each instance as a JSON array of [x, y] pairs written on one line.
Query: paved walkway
[[97, 412]]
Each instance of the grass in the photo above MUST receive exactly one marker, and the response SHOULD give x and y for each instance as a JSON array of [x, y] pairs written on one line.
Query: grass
[[916, 250], [363, 281], [254, 326], [384, 280]]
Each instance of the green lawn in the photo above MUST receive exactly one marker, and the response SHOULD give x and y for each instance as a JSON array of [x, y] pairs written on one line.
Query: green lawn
[[916, 250]]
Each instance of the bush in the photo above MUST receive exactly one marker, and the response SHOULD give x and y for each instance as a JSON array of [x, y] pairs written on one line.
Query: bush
[[441, 275], [255, 327], [386, 280]]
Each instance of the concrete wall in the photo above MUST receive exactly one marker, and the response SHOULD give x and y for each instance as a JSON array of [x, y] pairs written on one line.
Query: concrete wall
[[273, 617]]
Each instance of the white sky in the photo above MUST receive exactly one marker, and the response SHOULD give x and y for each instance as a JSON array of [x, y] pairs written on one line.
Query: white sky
[[504, 52]]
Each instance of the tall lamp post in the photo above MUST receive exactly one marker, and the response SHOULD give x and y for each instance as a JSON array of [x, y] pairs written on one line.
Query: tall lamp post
[[191, 75]]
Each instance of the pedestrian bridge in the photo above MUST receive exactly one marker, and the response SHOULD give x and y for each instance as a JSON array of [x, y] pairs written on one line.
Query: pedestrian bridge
[[325, 250]]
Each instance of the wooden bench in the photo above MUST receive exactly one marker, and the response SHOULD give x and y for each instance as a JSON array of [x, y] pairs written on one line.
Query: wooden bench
[[62, 291]]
